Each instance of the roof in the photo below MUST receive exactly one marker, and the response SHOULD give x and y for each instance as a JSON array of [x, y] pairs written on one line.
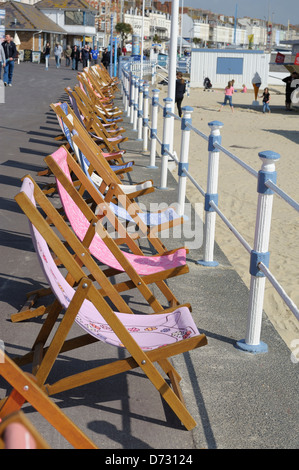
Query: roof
[[28, 18], [64, 5]]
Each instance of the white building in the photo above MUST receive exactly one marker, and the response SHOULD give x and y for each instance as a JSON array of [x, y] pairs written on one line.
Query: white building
[[222, 65], [154, 23]]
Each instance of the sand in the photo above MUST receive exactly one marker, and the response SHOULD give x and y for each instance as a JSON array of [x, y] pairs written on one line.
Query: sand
[[245, 133]]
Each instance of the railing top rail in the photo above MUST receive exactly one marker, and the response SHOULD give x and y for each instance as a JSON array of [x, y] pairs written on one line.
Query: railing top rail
[[282, 194]]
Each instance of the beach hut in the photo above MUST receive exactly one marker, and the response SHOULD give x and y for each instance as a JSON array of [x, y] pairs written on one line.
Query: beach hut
[[222, 65]]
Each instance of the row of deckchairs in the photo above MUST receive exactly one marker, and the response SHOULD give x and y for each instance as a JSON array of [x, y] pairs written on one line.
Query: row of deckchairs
[[90, 256]]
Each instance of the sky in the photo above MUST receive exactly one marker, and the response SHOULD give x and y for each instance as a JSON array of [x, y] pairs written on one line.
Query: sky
[[280, 11]]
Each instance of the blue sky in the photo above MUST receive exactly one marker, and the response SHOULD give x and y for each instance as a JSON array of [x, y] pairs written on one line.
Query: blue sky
[[282, 10]]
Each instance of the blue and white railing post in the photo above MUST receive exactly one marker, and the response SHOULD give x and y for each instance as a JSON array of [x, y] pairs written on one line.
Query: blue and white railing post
[[126, 89], [184, 155], [260, 253], [135, 104], [131, 97], [154, 130], [153, 66], [140, 110], [166, 141], [145, 116], [211, 195]]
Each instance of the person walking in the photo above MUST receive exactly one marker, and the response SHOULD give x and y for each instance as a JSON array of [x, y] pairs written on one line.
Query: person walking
[[266, 100], [85, 55], [58, 54], [11, 53], [75, 56], [47, 50], [180, 89], [95, 55], [2, 59], [228, 97], [289, 89], [67, 54], [106, 58]]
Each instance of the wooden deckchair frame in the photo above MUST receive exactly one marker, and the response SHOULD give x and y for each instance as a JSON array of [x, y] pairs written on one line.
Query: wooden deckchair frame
[[25, 389], [102, 166], [46, 357]]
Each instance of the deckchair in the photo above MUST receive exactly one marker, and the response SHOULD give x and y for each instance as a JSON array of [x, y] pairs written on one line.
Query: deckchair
[[156, 221], [104, 76], [95, 110], [147, 224], [96, 127], [147, 338], [140, 270], [96, 100], [74, 127], [15, 427], [103, 94], [58, 108], [88, 113]]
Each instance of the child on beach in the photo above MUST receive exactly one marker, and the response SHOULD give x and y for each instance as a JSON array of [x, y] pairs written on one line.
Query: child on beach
[[244, 89], [229, 90], [266, 100]]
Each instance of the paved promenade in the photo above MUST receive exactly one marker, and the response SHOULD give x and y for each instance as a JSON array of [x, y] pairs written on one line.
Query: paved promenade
[[239, 400]]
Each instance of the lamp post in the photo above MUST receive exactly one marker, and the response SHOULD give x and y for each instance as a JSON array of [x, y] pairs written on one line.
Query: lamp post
[[142, 36], [111, 45], [172, 61]]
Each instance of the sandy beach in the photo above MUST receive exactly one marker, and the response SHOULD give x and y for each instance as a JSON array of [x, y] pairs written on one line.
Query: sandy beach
[[245, 133]]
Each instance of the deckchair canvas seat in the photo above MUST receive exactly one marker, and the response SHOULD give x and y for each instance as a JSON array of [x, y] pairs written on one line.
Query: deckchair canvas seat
[[144, 265]]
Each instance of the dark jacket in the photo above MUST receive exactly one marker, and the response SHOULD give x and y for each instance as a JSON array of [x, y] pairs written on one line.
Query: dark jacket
[[106, 58], [75, 54], [180, 88], [10, 49]]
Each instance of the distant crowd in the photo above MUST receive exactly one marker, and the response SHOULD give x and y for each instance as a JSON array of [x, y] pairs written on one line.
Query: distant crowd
[[75, 55]]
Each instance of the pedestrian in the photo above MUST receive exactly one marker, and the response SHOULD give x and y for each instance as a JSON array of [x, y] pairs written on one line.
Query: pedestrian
[[228, 97], [244, 89], [180, 89], [95, 55], [11, 53], [58, 54], [124, 50], [256, 82], [290, 87], [47, 51], [75, 56], [266, 100], [85, 55], [106, 58], [2, 59], [67, 54]]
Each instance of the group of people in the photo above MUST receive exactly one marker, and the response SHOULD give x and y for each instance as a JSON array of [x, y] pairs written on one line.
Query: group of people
[[8, 54], [73, 55]]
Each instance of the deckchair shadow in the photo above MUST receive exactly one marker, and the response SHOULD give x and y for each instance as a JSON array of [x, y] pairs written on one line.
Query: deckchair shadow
[[147, 338], [16, 430]]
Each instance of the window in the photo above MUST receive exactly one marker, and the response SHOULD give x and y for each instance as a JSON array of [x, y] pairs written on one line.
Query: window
[[73, 17], [229, 65], [82, 18]]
